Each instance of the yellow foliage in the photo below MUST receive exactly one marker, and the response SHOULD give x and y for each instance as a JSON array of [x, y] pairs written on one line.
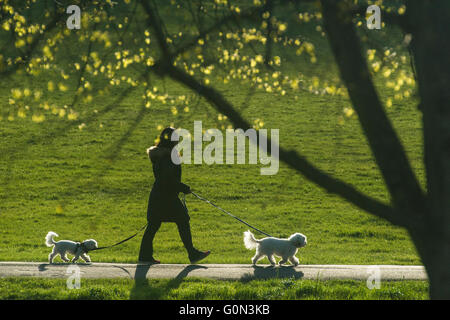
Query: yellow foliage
[[389, 103], [348, 111], [62, 87], [16, 93], [21, 113], [38, 118]]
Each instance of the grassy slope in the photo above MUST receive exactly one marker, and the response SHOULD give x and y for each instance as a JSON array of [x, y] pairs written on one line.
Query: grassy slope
[[104, 193], [107, 200]]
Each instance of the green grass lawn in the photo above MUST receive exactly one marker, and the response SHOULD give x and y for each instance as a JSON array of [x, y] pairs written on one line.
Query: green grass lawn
[[73, 182], [94, 183], [67, 183], [201, 289]]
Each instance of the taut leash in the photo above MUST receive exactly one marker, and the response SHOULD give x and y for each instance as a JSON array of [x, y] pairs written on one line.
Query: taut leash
[[122, 241], [238, 219], [184, 202]]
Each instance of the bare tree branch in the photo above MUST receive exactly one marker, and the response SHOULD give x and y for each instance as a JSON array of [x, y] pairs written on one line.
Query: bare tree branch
[[26, 56], [249, 13], [292, 158], [269, 35]]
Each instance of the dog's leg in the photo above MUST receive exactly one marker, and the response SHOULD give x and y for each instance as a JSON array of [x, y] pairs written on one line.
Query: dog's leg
[[271, 260], [64, 257], [86, 258], [75, 258], [294, 260], [256, 257], [51, 256], [282, 261]]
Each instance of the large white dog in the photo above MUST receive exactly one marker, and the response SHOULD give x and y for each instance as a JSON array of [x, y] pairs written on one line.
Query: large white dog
[[78, 249], [270, 246]]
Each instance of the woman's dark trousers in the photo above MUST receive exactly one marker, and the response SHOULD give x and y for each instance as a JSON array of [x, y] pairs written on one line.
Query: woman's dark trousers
[[184, 229]]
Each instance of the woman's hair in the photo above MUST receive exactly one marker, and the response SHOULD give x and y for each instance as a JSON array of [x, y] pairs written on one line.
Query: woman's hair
[[165, 138]]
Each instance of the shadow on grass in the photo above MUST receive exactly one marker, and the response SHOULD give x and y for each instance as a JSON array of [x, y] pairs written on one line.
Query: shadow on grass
[[143, 290], [264, 273]]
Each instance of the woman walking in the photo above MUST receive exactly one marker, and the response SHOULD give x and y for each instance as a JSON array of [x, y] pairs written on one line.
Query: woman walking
[[164, 204]]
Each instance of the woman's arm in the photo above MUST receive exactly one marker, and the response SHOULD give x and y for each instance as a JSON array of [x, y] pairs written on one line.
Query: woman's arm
[[167, 174], [185, 188], [169, 179]]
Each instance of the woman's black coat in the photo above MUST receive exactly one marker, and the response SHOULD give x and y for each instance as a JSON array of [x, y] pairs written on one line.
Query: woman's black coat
[[164, 204]]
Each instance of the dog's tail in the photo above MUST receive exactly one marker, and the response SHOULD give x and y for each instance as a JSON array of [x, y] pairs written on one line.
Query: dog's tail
[[49, 239], [250, 241]]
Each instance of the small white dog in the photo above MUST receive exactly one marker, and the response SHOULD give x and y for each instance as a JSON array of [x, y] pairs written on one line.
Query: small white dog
[[270, 246], [78, 249]]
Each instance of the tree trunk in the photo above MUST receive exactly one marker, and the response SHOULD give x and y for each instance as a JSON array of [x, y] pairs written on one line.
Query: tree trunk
[[439, 271], [434, 249], [429, 25]]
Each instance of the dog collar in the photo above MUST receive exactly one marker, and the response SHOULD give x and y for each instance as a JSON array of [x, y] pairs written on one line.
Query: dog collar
[[83, 248]]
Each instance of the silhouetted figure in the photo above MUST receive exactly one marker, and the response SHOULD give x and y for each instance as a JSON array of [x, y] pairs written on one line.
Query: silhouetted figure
[[164, 204]]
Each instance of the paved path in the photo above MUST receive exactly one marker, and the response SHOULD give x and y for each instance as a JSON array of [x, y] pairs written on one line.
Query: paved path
[[213, 271]]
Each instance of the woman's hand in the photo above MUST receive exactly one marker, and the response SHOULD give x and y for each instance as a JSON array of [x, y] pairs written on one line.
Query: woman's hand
[[186, 189]]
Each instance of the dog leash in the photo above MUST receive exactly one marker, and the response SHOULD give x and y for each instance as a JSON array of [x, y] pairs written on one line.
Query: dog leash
[[122, 241], [184, 203], [130, 237], [238, 219]]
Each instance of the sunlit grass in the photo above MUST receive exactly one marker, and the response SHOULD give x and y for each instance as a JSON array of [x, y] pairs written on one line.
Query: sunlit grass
[[201, 289], [72, 172]]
